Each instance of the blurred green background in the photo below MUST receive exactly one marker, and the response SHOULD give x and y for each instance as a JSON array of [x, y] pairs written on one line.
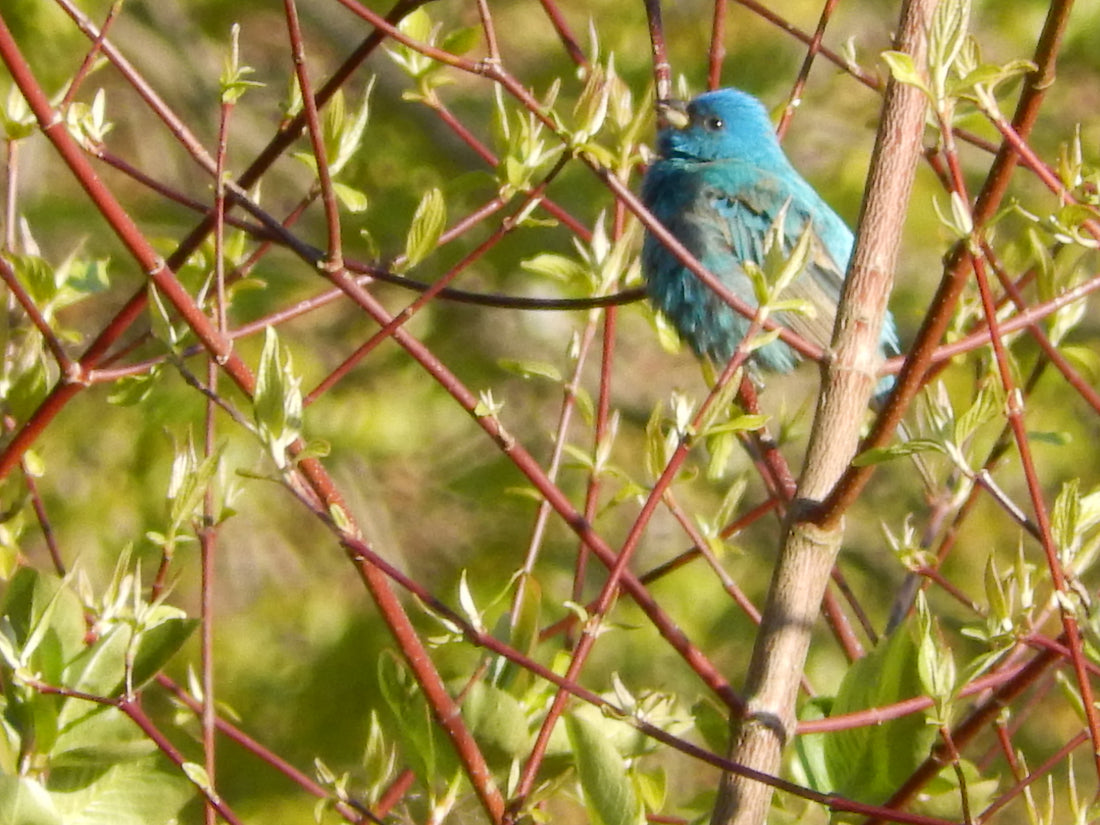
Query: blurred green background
[[297, 639]]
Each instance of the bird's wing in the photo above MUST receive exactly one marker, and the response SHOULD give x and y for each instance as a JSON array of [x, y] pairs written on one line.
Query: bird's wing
[[749, 210]]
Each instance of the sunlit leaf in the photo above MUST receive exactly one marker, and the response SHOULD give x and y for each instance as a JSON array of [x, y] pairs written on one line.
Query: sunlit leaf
[[903, 69], [277, 401], [427, 225], [497, 721], [869, 762], [25, 802], [609, 793]]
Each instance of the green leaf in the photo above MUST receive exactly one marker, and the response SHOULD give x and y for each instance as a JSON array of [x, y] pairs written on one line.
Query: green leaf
[[127, 793], [809, 765], [101, 669], [24, 802], [591, 108], [347, 136], [652, 787], [497, 721], [47, 621], [28, 390], [36, 719], [1000, 611], [461, 40], [1053, 439], [88, 122], [37, 277], [1072, 693], [16, 119], [609, 794], [1065, 520], [868, 763], [942, 798], [354, 200], [761, 339], [156, 645], [97, 735], [903, 69], [232, 81], [87, 277], [713, 724], [163, 322], [947, 32], [935, 664], [314, 448], [786, 266], [11, 740], [720, 446], [989, 75], [133, 389], [198, 776], [531, 369], [555, 266], [379, 760], [959, 220], [739, 424], [985, 407], [880, 455], [188, 484], [417, 25], [984, 74], [423, 746], [277, 402], [427, 225], [658, 444], [468, 605]]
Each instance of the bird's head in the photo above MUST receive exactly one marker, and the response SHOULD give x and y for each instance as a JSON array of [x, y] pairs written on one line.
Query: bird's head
[[721, 125]]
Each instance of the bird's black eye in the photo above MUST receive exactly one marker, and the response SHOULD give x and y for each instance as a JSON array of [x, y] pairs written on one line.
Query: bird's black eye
[[712, 123]]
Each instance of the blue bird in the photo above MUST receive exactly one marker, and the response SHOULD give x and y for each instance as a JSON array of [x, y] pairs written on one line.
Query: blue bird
[[719, 185]]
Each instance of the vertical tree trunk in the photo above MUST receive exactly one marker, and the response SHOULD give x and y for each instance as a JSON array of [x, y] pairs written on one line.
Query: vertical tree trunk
[[810, 544]]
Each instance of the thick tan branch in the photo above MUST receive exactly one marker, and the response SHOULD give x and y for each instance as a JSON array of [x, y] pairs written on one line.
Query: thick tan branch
[[810, 545]]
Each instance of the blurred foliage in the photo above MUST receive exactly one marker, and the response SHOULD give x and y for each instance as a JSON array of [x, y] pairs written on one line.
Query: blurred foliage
[[302, 660]]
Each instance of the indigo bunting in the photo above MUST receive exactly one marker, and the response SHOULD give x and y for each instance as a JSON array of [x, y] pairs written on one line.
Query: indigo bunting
[[719, 185]]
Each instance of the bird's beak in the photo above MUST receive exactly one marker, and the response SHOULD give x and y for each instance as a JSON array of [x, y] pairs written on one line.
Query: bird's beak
[[672, 114]]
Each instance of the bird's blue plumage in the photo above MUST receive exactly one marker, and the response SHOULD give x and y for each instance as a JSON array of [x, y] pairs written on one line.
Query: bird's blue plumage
[[719, 184]]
